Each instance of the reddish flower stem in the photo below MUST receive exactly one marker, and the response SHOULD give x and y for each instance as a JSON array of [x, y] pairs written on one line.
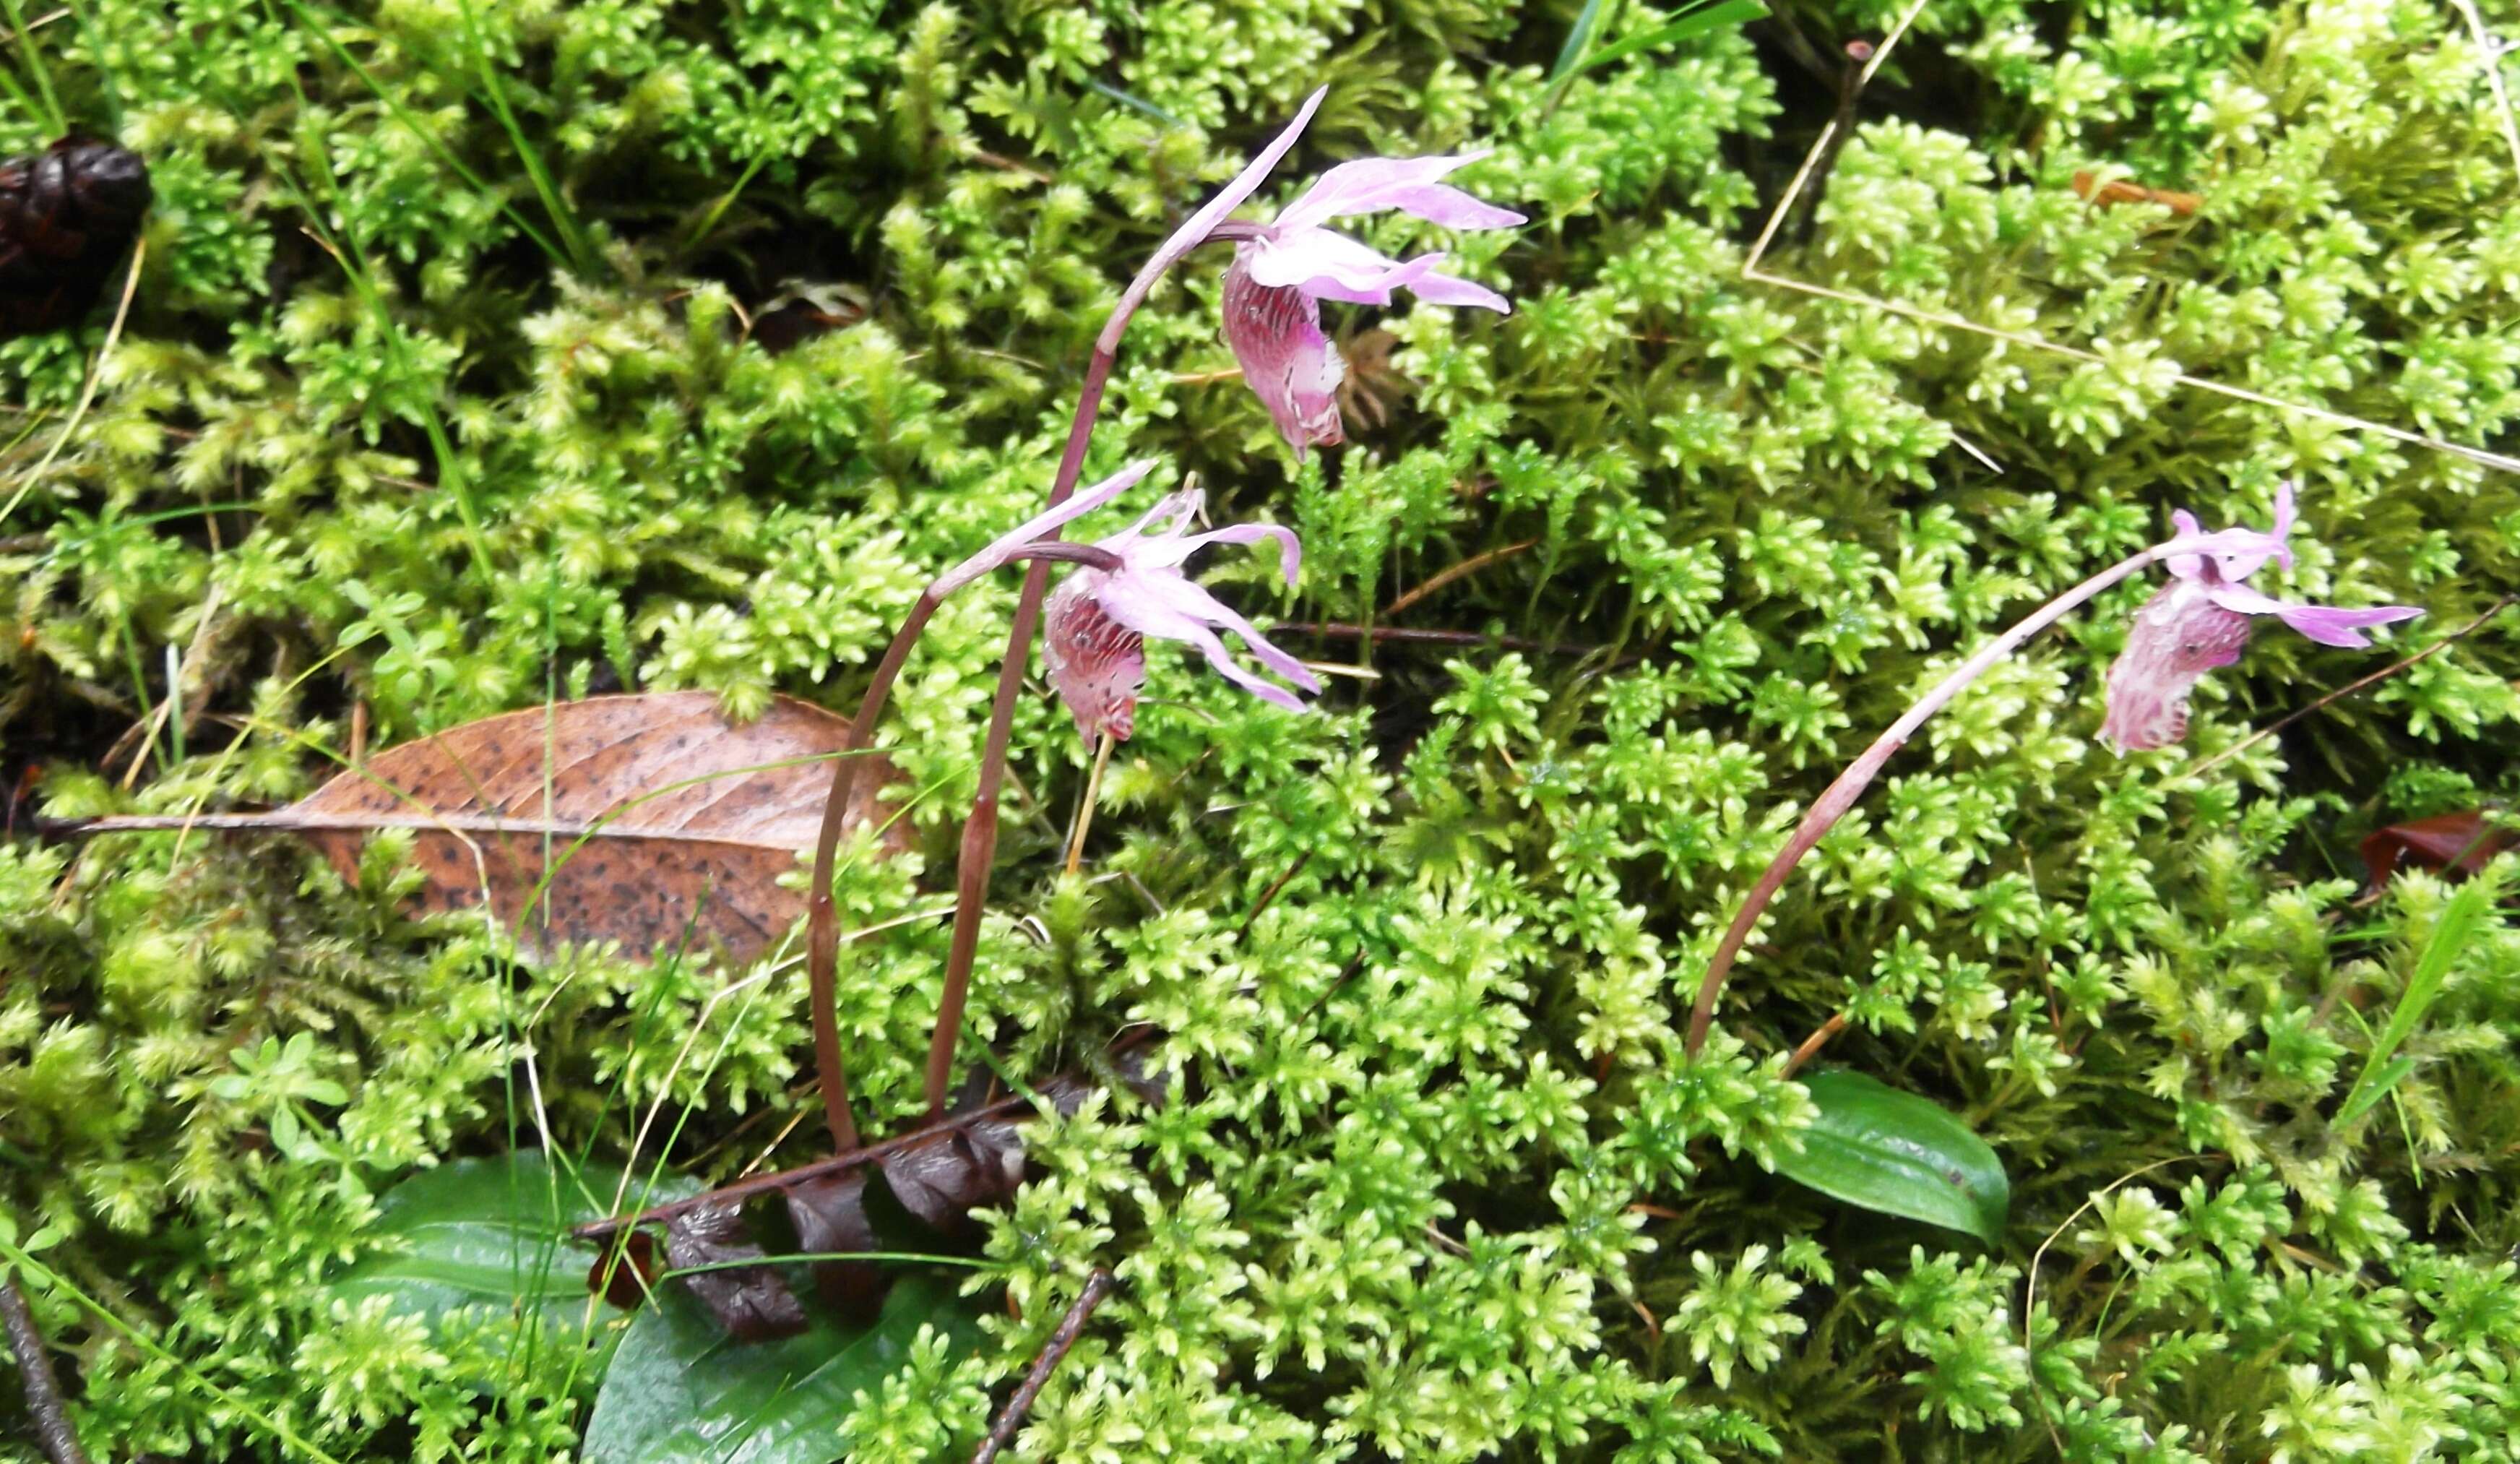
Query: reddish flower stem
[[1841, 795], [981, 829], [822, 929]]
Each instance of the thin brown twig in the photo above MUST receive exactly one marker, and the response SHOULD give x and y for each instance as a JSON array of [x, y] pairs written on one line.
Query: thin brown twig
[[1071, 1326], [735, 1191], [2351, 687], [1269, 895], [780, 1179], [1814, 1043], [822, 919], [1382, 635], [36, 1368], [1466, 567]]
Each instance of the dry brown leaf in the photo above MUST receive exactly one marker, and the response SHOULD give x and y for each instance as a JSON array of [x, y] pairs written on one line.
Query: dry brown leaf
[[2448, 842], [667, 823]]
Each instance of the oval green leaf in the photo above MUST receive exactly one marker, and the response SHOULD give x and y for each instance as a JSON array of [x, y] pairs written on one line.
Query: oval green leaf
[[493, 1232], [1879, 1149], [680, 1388]]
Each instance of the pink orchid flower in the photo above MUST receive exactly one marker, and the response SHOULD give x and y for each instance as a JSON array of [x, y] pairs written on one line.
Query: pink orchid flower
[[1099, 618], [1282, 273], [2201, 619]]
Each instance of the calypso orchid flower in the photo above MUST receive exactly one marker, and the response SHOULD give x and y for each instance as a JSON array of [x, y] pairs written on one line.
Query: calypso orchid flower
[[1130, 586], [1284, 270], [2201, 619]]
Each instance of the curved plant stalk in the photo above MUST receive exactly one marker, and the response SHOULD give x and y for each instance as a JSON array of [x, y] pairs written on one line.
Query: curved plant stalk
[[1841, 795], [822, 931], [980, 828]]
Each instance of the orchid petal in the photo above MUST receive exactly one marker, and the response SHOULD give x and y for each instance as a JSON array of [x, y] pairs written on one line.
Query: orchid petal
[[2185, 553], [1005, 547], [1190, 600], [1369, 185], [1452, 290], [1199, 225], [2328, 624], [1137, 604], [1183, 506], [2184, 565], [1291, 552], [1298, 257]]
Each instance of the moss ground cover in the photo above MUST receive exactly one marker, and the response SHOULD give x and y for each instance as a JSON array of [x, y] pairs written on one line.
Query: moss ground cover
[[484, 356]]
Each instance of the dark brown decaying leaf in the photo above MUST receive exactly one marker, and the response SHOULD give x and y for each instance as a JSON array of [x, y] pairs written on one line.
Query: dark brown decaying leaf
[[623, 1273], [939, 1174], [667, 823], [750, 1302], [829, 1215], [2452, 842], [976, 1165]]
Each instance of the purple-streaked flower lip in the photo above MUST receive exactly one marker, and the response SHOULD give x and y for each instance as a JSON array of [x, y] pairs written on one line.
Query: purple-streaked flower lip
[[1284, 269], [1148, 593]]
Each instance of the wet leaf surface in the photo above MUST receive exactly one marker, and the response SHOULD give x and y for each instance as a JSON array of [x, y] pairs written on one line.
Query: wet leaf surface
[[1879, 1149], [491, 1232], [680, 1388]]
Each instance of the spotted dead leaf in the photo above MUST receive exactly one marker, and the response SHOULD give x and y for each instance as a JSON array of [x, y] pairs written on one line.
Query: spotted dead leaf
[[661, 823]]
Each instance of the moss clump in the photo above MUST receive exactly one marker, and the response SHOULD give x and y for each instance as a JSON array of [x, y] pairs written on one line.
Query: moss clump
[[489, 354]]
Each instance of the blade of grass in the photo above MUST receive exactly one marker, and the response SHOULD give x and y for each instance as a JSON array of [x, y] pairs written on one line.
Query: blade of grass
[[1140, 103], [581, 258], [725, 201], [34, 61], [1695, 22], [1578, 38], [2451, 934], [353, 262], [104, 72], [87, 392], [402, 114]]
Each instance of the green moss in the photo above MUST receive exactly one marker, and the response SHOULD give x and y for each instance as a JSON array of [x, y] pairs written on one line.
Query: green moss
[[450, 386]]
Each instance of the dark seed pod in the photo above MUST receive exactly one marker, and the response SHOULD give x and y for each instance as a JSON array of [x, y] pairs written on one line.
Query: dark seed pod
[[67, 214]]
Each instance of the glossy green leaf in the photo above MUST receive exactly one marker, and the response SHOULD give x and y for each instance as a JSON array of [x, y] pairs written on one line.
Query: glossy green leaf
[[1877, 1148], [680, 1388], [492, 1232]]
